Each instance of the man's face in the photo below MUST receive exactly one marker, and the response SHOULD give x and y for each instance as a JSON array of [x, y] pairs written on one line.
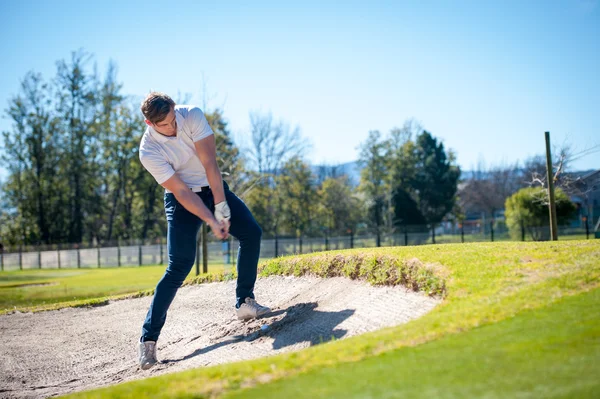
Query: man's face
[[166, 127]]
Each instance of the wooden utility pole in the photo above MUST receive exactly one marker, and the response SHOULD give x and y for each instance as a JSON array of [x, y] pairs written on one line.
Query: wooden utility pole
[[204, 248], [198, 238], [550, 177]]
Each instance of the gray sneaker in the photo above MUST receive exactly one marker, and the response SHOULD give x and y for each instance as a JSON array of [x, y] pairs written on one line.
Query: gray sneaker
[[250, 309], [147, 354]]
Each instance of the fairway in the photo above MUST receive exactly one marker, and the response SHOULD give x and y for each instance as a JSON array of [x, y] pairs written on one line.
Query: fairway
[[46, 289], [559, 344]]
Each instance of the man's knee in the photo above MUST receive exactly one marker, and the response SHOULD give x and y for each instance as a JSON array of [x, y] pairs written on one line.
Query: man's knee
[[251, 233], [178, 270], [172, 279], [254, 231]]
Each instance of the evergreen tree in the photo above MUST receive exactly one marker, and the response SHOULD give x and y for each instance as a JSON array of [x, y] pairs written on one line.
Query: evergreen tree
[[435, 180]]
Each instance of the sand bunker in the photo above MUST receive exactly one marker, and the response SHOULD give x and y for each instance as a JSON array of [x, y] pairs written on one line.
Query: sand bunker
[[58, 352]]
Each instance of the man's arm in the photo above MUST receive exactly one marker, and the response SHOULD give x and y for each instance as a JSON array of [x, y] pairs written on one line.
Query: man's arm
[[193, 204], [207, 152], [206, 149]]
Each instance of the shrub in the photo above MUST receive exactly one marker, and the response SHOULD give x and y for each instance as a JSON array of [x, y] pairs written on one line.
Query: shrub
[[528, 209]]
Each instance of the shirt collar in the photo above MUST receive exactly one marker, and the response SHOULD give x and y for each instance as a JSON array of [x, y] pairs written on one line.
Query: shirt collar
[[157, 136], [161, 138]]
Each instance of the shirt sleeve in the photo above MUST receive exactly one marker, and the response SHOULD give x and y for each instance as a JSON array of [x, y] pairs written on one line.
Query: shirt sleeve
[[157, 165], [198, 125]]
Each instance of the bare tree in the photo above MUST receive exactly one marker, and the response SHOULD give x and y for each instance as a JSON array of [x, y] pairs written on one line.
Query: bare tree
[[487, 189], [273, 143], [573, 184]]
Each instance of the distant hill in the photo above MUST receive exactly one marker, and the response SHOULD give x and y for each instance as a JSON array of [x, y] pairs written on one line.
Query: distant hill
[[350, 169], [353, 169]]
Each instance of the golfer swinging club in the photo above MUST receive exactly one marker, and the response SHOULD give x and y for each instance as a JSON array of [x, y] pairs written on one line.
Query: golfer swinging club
[[178, 149]]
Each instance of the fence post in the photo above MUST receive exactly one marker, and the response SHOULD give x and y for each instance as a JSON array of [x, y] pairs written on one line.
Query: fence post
[[276, 245], [492, 230], [39, 257], [78, 258], [20, 257], [587, 228], [204, 248], [230, 249], [550, 180], [140, 255], [198, 238], [58, 253], [99, 259], [1, 258], [351, 238], [118, 252], [233, 256], [405, 236]]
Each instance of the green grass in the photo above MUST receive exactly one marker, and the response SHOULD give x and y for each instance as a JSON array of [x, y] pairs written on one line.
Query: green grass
[[506, 318], [558, 344], [34, 290]]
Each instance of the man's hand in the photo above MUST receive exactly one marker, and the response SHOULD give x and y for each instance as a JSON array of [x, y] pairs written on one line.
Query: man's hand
[[218, 230], [223, 214]]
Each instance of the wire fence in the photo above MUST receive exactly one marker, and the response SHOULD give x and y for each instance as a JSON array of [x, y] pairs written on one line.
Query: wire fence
[[140, 253]]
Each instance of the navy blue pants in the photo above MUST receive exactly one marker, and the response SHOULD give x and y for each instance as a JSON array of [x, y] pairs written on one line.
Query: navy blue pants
[[183, 228]]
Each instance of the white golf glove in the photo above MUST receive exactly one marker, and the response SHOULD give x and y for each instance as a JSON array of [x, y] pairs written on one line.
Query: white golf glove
[[222, 212]]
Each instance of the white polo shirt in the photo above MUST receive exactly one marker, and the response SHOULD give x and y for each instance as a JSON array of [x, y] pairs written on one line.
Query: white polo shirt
[[164, 156]]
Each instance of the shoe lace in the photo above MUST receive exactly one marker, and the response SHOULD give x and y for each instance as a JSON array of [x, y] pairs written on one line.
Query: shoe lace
[[149, 350], [253, 304]]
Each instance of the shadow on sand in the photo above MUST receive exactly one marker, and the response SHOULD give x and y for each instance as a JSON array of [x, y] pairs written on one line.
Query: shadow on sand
[[301, 323]]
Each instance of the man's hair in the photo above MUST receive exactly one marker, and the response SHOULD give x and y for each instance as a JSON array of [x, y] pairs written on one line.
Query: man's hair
[[156, 106]]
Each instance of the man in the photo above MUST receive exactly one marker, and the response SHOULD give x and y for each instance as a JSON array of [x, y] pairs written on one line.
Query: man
[[178, 149]]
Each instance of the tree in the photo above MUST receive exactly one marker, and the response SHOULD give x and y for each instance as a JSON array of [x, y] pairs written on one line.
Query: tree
[[562, 158], [299, 196], [526, 209], [77, 100], [340, 208], [7, 230], [326, 171], [229, 158], [401, 162], [403, 171], [31, 153], [373, 179], [265, 199], [273, 143], [435, 180], [129, 173], [115, 139], [487, 189]]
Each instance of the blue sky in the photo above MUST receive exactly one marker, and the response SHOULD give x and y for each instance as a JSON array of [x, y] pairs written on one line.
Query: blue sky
[[486, 77]]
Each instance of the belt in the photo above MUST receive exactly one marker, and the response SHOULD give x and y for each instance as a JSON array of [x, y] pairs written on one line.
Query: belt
[[198, 189]]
